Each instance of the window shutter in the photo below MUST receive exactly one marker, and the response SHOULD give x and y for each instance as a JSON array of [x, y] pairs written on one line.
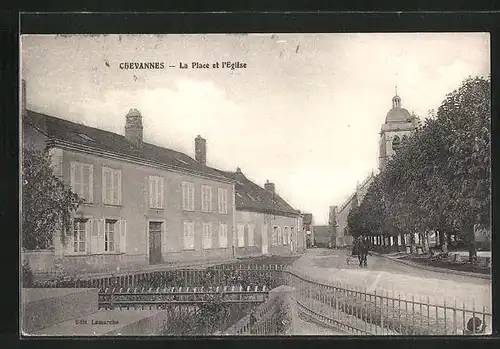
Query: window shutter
[[192, 234], [91, 184], [100, 237], [72, 177], [184, 206], [119, 186], [151, 193], [88, 235], [122, 226], [94, 236], [162, 191], [104, 186]]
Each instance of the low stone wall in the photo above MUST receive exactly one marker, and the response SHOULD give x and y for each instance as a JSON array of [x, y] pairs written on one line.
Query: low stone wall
[[41, 308]]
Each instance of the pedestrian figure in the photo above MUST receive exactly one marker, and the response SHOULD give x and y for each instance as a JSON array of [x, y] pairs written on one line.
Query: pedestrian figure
[[363, 252]]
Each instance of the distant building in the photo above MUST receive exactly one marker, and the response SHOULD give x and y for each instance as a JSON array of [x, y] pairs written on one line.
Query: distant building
[[342, 236], [322, 235], [308, 228]]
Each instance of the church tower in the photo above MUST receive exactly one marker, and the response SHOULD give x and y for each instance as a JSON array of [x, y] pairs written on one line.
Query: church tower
[[399, 125]]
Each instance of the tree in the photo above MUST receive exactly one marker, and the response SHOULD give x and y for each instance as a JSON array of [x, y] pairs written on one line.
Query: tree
[[47, 202], [466, 114]]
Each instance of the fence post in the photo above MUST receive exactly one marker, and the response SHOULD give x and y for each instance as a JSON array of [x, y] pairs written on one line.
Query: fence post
[[455, 316]]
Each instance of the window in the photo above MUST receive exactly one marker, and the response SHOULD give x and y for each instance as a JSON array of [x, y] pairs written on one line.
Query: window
[[251, 235], [156, 191], [111, 186], [286, 233], [280, 236], [187, 196], [82, 180], [241, 235], [223, 235], [405, 139], [292, 236], [207, 235], [206, 198], [80, 236], [109, 235], [223, 200], [274, 236], [189, 235], [396, 143]]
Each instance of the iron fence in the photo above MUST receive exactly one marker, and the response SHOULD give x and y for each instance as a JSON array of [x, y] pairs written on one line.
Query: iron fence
[[239, 275], [113, 298], [377, 313]]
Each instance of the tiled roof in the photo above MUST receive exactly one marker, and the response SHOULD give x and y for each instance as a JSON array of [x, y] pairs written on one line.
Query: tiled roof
[[67, 131], [250, 196]]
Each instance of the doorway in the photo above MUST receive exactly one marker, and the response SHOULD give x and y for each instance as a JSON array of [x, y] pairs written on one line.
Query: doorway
[[155, 242]]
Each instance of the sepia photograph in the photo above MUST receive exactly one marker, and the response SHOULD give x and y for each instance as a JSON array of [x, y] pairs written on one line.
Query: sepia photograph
[[255, 184]]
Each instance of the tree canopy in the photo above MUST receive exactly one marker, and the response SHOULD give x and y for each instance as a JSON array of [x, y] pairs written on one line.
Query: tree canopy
[[439, 179]]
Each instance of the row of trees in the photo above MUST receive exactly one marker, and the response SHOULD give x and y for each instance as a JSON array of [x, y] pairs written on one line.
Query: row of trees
[[439, 180]]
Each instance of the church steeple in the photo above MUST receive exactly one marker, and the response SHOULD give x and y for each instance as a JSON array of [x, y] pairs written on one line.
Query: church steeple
[[396, 100]]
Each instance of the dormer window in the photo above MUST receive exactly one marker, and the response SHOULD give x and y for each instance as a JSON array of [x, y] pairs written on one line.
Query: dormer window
[[87, 138]]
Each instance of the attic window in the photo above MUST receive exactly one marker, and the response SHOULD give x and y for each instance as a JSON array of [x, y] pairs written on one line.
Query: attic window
[[87, 138], [182, 161]]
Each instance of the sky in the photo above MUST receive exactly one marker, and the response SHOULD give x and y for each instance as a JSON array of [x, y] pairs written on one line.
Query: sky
[[305, 113]]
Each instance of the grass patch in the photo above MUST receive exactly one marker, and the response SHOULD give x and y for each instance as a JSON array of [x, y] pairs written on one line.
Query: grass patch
[[449, 264]]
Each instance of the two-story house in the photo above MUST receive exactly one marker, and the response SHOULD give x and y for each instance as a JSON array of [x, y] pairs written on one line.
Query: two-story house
[[144, 204]]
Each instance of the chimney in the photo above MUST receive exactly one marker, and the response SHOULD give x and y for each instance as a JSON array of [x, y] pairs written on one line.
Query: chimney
[[24, 106], [200, 150], [269, 186], [238, 170], [133, 127]]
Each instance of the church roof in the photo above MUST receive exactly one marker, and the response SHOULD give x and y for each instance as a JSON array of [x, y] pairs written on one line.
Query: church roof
[[398, 115]]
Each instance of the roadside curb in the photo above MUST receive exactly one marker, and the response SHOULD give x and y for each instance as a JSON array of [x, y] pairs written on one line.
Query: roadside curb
[[436, 269]]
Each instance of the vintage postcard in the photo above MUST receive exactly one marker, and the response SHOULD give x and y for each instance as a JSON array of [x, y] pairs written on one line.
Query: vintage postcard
[[255, 184]]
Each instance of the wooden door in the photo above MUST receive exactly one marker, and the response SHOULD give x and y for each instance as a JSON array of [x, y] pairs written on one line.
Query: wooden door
[[155, 243]]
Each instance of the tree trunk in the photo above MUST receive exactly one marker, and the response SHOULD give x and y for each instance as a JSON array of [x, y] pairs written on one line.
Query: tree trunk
[[472, 243], [442, 242], [412, 243]]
